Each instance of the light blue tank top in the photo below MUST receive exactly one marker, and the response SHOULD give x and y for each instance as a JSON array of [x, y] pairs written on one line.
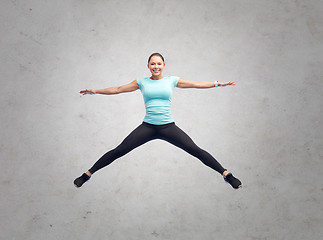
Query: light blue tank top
[[157, 96]]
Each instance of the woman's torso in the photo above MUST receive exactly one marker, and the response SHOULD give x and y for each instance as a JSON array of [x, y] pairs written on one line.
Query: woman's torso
[[157, 96]]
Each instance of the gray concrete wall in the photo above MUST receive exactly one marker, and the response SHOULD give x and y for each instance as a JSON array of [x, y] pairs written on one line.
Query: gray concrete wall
[[267, 129]]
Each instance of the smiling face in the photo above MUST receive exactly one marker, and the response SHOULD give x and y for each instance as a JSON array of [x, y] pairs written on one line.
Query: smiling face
[[156, 66]]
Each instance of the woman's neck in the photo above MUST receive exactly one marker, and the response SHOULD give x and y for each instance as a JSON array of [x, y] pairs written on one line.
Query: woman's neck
[[156, 77]]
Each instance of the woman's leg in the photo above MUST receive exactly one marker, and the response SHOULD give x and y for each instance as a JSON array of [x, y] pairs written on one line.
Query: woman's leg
[[142, 134], [179, 138], [137, 137]]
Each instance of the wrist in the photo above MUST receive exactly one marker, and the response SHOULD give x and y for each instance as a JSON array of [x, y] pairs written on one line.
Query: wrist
[[216, 83]]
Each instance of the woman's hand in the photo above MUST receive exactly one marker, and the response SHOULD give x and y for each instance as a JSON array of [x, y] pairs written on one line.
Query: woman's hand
[[88, 91], [226, 84]]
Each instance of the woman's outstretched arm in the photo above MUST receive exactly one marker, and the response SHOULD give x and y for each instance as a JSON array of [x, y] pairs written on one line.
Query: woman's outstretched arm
[[193, 84], [133, 86]]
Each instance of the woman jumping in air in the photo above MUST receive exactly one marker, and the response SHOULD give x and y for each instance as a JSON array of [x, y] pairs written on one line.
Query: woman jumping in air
[[158, 122]]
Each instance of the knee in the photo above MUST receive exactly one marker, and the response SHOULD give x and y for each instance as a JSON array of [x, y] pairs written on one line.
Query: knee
[[196, 151], [119, 151]]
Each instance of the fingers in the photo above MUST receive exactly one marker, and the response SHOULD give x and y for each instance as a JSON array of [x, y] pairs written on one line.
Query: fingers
[[228, 84], [87, 91]]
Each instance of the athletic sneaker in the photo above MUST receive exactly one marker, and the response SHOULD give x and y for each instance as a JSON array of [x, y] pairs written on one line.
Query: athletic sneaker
[[81, 180], [234, 182]]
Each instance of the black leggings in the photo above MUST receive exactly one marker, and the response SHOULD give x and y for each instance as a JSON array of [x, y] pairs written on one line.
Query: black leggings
[[147, 132]]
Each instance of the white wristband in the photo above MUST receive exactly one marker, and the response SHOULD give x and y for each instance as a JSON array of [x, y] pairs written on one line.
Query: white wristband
[[216, 83]]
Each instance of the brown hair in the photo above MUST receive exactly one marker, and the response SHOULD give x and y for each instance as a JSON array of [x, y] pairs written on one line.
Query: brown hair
[[155, 54]]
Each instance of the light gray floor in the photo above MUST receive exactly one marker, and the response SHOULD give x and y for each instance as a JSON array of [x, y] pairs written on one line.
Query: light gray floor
[[267, 129]]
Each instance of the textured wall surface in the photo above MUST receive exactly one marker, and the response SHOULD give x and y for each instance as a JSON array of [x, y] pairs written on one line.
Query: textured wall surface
[[267, 129]]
